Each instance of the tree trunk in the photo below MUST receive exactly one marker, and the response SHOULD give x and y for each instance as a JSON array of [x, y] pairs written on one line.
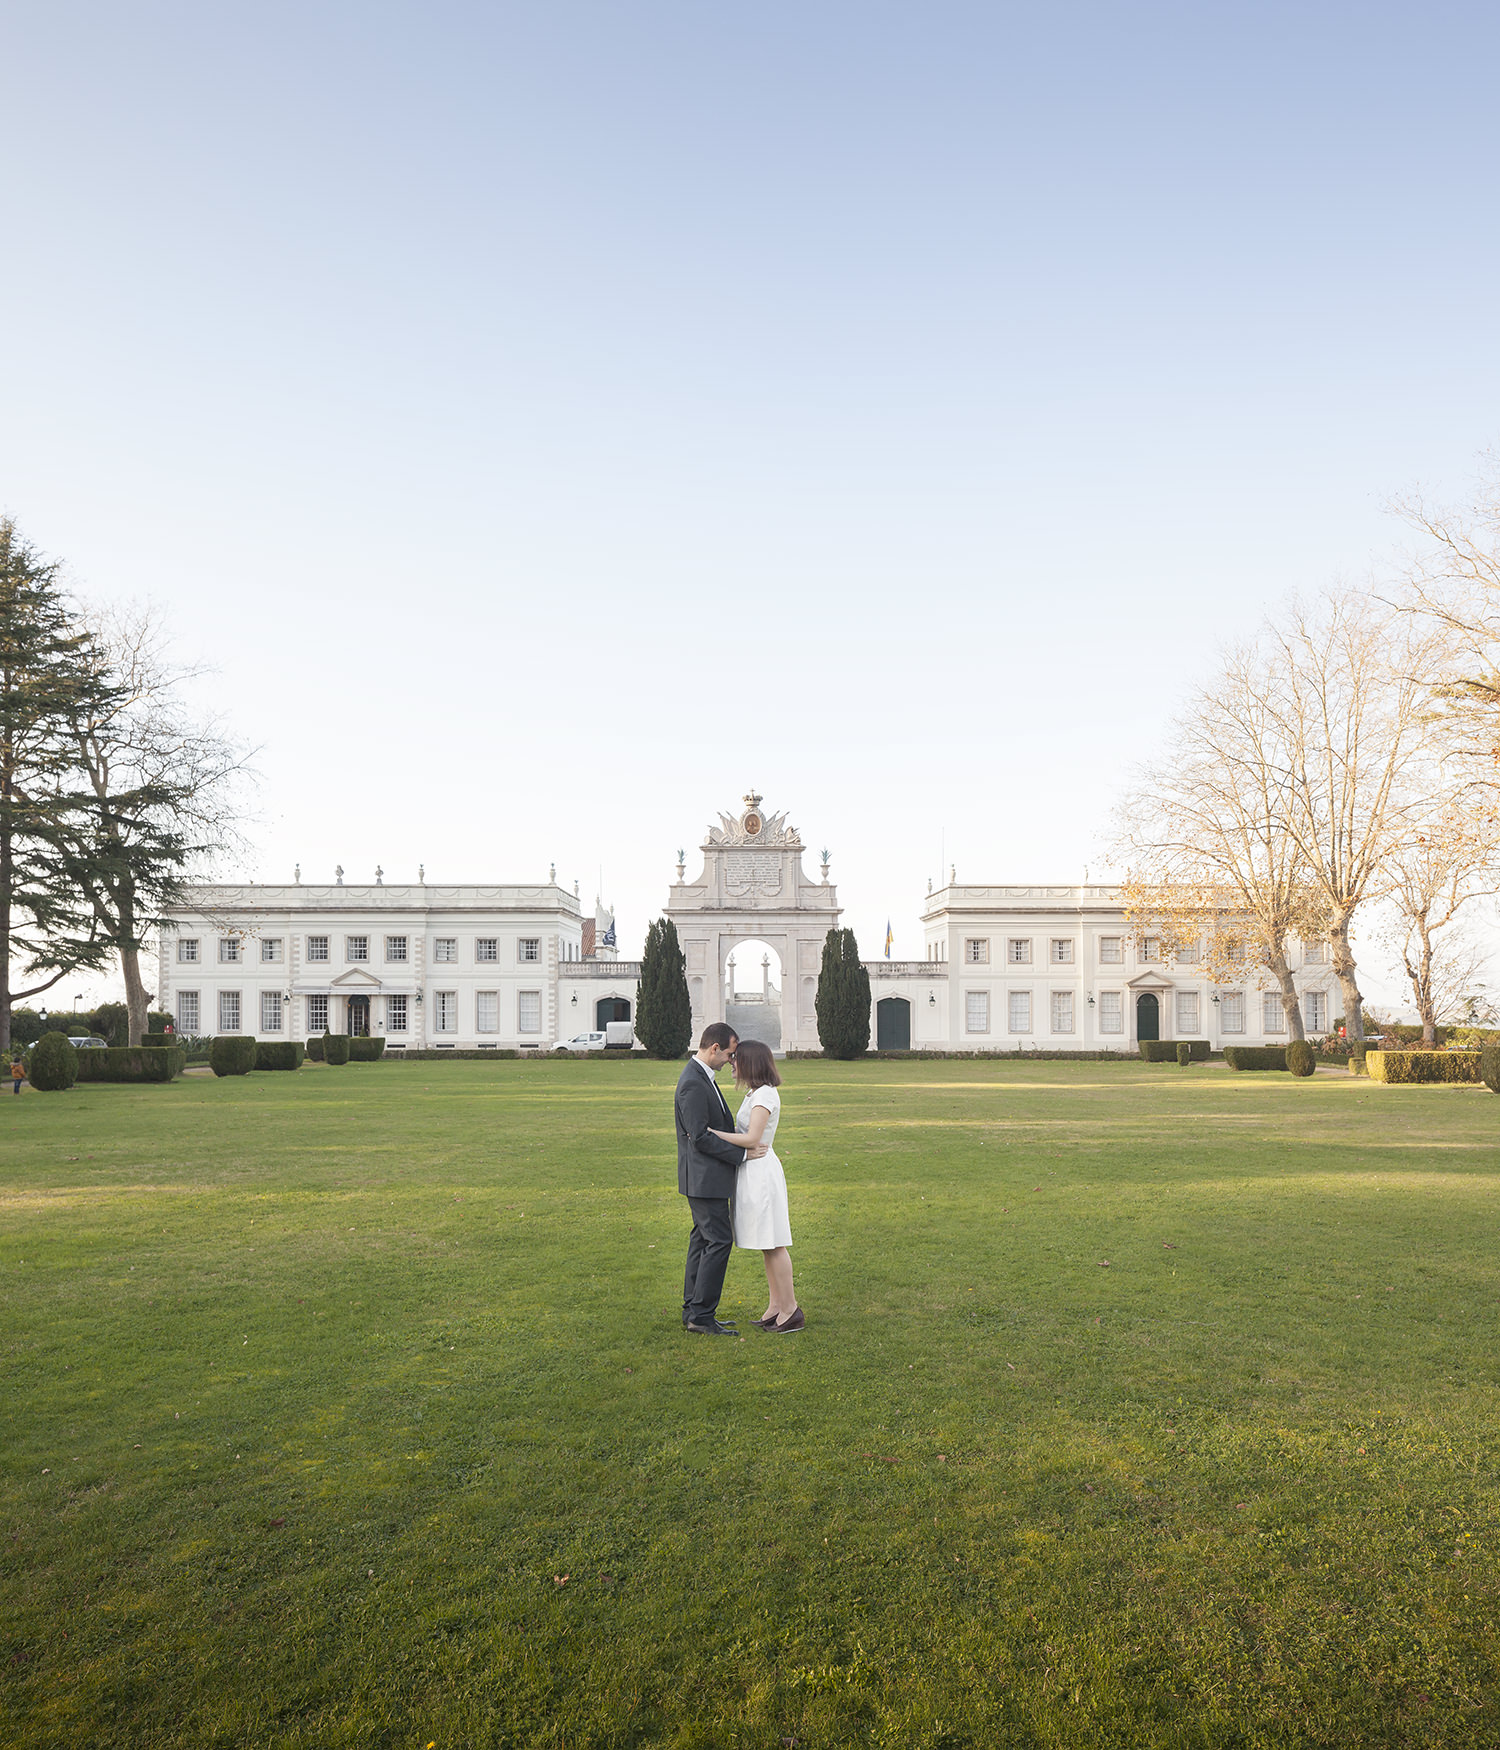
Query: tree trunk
[[137, 997], [1290, 1006], [1344, 971], [1420, 976]]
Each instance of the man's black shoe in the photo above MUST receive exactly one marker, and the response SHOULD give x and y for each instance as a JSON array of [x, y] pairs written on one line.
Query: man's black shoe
[[713, 1329]]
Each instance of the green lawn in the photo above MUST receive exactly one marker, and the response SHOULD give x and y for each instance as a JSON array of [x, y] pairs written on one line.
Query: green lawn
[[1136, 1406]]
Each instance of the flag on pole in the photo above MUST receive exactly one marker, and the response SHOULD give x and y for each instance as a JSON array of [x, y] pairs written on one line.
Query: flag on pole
[[889, 938]]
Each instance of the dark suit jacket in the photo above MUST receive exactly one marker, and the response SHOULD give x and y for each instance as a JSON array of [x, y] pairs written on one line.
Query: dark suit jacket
[[705, 1166]]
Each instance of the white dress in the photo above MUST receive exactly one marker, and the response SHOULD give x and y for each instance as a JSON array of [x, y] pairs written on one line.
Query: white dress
[[761, 1217]]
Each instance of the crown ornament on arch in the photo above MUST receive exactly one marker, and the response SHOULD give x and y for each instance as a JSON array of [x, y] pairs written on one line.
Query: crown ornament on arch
[[753, 826]]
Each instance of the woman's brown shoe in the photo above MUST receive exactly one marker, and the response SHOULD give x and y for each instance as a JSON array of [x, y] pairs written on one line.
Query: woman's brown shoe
[[766, 1324], [794, 1323]]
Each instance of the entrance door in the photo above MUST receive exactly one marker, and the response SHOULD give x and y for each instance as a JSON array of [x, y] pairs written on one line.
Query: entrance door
[[1147, 1016], [609, 1009], [893, 1024], [358, 1023]]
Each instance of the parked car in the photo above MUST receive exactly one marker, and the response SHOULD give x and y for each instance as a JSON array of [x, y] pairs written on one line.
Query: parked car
[[581, 1042], [88, 1042]]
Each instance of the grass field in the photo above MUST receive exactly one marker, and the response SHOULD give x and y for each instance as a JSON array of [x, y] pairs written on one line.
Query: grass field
[[1136, 1406]]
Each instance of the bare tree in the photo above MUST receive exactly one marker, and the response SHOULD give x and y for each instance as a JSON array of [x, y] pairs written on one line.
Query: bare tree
[[164, 784], [1350, 696], [1435, 876], [1204, 832], [1452, 578]]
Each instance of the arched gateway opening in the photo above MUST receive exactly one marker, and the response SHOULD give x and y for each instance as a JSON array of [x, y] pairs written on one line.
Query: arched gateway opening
[[752, 992], [609, 1009], [1147, 1016]]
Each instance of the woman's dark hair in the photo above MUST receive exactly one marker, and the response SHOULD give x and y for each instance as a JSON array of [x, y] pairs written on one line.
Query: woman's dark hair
[[754, 1066]]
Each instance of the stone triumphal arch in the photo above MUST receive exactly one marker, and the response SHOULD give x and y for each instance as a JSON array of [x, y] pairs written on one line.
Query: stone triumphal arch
[[753, 889]]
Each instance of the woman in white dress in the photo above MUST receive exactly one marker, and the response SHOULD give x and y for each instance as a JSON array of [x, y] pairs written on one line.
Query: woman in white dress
[[761, 1219]]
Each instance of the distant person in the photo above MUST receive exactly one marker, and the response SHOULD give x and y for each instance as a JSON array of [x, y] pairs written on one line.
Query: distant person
[[17, 1074], [761, 1219], [706, 1166]]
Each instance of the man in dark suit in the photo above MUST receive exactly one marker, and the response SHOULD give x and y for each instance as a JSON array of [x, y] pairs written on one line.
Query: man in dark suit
[[705, 1176]]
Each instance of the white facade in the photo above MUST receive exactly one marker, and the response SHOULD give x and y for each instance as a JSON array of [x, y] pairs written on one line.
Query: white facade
[[1061, 969], [1007, 968], [424, 966]]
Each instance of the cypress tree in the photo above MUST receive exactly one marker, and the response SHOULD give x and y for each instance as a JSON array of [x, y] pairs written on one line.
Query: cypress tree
[[843, 999], [663, 1009]]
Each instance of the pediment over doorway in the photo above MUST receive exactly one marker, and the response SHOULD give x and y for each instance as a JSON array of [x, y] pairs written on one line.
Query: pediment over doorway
[[355, 979], [1150, 981]]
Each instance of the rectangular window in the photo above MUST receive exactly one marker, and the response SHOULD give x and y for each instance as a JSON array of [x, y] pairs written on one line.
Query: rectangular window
[[1150, 947], [1062, 1010], [317, 947], [356, 947], [1272, 1013], [445, 1003], [445, 948], [229, 951], [1235, 952], [1019, 953], [187, 950], [486, 948], [977, 1011], [1315, 1011], [1020, 1011], [1315, 954], [1232, 1012], [1187, 1014], [229, 1011], [1062, 951], [395, 948], [977, 951], [395, 1014], [1187, 954], [529, 1011], [1111, 951], [270, 949], [1111, 1012], [270, 1011], [529, 948], [187, 1011], [487, 1011], [317, 1013]]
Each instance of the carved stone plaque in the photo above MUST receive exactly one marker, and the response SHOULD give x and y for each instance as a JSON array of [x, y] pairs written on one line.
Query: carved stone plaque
[[749, 875]]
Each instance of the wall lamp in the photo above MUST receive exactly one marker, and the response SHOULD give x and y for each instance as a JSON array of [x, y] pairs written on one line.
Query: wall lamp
[[419, 999], [1091, 999], [931, 1000], [286, 997], [573, 1000], [1214, 999]]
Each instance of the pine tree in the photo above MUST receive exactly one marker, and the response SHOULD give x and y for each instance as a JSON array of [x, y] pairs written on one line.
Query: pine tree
[[46, 679], [843, 999], [663, 1009]]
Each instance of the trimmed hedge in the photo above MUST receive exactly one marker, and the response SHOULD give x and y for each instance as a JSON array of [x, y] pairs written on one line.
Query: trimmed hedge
[[364, 1050], [314, 1048], [1423, 1066], [279, 1054], [1489, 1068], [1255, 1056], [1184, 1053], [52, 1063], [1301, 1060], [159, 1041], [335, 1048], [129, 1063], [1165, 1050], [232, 1054]]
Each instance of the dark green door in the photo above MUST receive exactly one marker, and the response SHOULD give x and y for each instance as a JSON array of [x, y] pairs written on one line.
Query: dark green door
[[609, 1009], [1147, 1017], [359, 1018], [893, 1024]]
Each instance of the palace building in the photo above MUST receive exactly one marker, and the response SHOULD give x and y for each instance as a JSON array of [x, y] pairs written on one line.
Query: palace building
[[1006, 968]]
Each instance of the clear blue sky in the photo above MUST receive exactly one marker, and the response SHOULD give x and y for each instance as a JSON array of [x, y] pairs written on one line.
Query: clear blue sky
[[553, 420]]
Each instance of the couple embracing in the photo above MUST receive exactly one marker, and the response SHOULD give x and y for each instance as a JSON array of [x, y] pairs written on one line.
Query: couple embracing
[[728, 1171]]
